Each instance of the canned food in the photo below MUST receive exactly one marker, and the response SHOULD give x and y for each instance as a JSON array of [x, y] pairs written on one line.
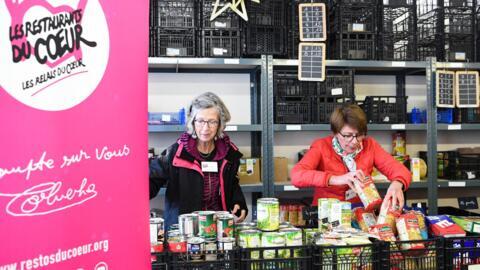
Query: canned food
[[250, 239], [268, 214], [195, 247], [408, 230], [224, 226], [273, 239], [174, 227], [188, 224], [226, 244], [220, 213], [242, 227], [293, 237], [210, 251], [177, 242], [156, 230], [368, 194], [285, 225], [346, 214], [207, 227]]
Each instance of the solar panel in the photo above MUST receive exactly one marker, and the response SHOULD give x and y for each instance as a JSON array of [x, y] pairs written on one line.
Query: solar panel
[[311, 66], [466, 85], [312, 22], [445, 89]]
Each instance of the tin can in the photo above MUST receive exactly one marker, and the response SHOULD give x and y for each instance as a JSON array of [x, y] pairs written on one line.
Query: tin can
[[285, 225], [273, 239], [364, 218], [268, 214], [250, 239], [408, 230], [226, 244], [224, 226], [174, 227], [177, 243], [284, 213], [210, 251], [388, 216], [156, 230], [220, 213], [346, 220], [293, 237], [368, 194], [207, 228], [293, 214], [196, 247], [188, 224]]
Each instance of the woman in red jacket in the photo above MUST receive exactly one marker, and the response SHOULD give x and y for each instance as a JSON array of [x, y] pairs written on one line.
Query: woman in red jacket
[[334, 162]]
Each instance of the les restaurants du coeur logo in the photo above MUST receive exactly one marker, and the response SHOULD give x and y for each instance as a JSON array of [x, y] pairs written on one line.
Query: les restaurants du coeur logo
[[54, 53]]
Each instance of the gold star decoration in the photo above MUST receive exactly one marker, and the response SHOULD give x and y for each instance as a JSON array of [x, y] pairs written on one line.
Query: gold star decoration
[[242, 12]]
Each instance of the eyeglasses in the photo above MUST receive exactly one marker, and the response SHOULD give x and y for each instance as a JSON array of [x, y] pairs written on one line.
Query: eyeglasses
[[209, 123], [349, 137]]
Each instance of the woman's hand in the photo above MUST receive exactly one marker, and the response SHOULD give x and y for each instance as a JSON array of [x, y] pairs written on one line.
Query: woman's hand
[[243, 213], [347, 179], [395, 194]]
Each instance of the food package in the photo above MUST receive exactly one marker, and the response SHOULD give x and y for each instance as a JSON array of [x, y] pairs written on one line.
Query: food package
[[364, 218], [442, 225], [408, 230], [368, 194], [469, 224], [421, 224], [388, 216], [383, 232]]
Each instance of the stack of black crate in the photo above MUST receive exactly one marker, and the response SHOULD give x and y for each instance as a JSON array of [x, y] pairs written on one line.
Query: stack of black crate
[[176, 28], [353, 29], [397, 38], [265, 30], [430, 39], [220, 37], [310, 102], [153, 24]]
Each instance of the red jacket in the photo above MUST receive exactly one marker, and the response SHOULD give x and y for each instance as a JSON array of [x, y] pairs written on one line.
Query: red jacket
[[321, 162]]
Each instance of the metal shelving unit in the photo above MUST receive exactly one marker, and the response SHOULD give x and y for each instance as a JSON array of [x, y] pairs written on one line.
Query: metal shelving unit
[[266, 128]]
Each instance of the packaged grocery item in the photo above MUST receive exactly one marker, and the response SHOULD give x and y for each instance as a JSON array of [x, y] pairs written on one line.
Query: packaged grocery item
[[324, 206], [335, 216], [268, 214], [399, 143], [388, 216], [368, 194], [273, 239], [415, 169], [407, 226], [442, 225], [346, 220], [225, 226], [293, 237], [421, 224], [469, 224], [284, 213], [207, 228], [384, 232], [364, 218]]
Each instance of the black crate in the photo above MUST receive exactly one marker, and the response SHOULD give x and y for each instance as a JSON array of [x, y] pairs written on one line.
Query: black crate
[[266, 13], [176, 13], [153, 13], [176, 42], [159, 260], [353, 47], [338, 82], [470, 115], [322, 107], [286, 86], [447, 164], [293, 112], [460, 252], [227, 260], [394, 257], [153, 42], [276, 258], [220, 43], [459, 47], [469, 166], [350, 2], [346, 257], [459, 20], [385, 109], [227, 20], [397, 28], [353, 19], [264, 40]]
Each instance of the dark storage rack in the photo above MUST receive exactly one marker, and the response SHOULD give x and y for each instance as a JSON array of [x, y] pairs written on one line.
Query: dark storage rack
[[385, 109], [276, 258], [176, 13], [220, 43], [346, 257], [461, 252], [176, 42], [431, 256], [324, 106], [228, 20]]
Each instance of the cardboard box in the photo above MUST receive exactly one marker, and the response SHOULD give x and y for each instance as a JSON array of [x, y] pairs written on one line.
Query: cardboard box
[[249, 171], [280, 169]]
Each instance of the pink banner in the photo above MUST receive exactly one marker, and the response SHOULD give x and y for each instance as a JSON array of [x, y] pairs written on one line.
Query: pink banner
[[73, 158]]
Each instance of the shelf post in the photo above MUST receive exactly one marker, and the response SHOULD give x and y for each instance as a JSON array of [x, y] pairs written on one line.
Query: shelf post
[[432, 137]]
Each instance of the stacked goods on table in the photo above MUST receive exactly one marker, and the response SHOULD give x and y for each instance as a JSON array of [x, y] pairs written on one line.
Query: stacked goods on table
[[292, 213]]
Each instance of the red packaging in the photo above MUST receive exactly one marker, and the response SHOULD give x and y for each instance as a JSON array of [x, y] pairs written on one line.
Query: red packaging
[[389, 217], [157, 247], [368, 194], [408, 230], [383, 231], [178, 247], [364, 218], [444, 226]]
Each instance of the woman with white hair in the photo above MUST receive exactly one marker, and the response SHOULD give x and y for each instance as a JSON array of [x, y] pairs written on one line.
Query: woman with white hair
[[200, 169]]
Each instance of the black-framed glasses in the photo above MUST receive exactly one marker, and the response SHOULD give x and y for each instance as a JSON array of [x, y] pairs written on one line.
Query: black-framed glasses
[[209, 123], [349, 137]]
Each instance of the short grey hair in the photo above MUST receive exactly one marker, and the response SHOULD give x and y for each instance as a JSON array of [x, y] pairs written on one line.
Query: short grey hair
[[206, 101]]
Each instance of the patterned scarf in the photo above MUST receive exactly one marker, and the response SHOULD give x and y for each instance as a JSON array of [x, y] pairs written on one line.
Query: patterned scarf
[[348, 159]]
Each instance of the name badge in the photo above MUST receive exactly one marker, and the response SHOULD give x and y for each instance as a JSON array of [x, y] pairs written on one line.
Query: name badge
[[209, 166], [350, 194]]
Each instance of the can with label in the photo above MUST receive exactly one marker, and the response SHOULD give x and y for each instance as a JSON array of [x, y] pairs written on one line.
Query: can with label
[[268, 218], [177, 242], [220, 213], [207, 228], [188, 224], [225, 226], [225, 246], [156, 230], [210, 251], [408, 230], [250, 239], [346, 214], [285, 225], [368, 194], [293, 237], [196, 247], [273, 239]]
